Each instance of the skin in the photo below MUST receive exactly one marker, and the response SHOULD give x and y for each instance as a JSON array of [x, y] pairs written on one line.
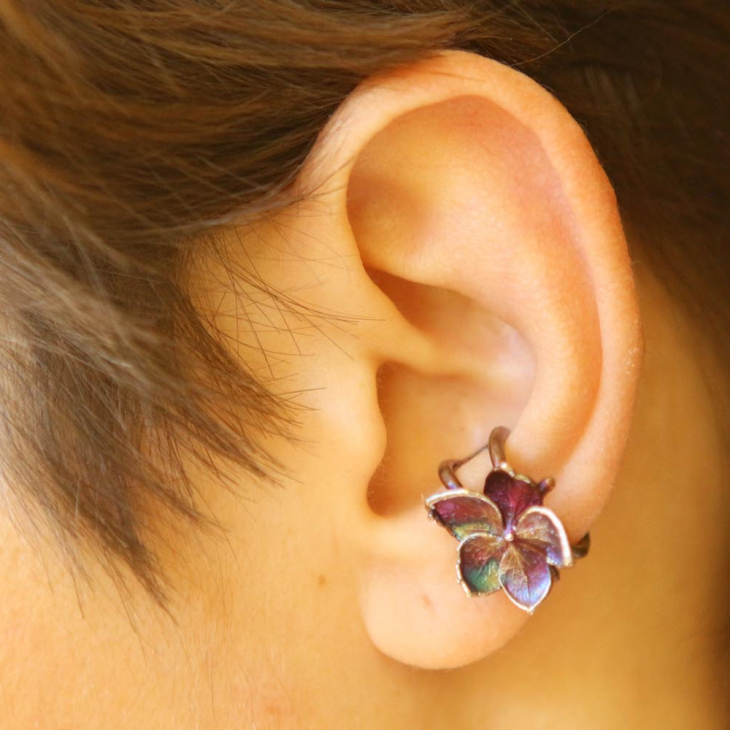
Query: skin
[[280, 620]]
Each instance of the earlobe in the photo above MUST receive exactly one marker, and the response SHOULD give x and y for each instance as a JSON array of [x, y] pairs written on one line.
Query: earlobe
[[479, 212]]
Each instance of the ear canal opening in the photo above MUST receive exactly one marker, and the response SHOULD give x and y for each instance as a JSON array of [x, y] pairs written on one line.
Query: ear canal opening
[[415, 407], [430, 417], [481, 376]]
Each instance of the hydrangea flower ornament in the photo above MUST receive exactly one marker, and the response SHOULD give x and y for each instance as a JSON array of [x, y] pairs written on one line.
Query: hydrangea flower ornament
[[507, 538]]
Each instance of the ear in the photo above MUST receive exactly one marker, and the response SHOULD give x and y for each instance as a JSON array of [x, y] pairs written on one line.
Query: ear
[[478, 225]]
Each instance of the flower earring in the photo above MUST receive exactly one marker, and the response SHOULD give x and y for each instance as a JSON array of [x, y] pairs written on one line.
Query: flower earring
[[507, 539]]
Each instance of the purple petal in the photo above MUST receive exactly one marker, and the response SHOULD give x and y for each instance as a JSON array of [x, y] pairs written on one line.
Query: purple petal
[[463, 512], [525, 575], [479, 559], [511, 495], [541, 528]]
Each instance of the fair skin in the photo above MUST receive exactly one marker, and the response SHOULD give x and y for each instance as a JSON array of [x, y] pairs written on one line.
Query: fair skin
[[467, 269]]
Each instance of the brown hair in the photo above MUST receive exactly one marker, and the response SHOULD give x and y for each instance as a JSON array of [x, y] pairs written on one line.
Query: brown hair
[[130, 130]]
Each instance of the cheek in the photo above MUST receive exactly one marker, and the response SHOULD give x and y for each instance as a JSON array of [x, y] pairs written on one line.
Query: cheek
[[265, 701], [280, 587], [288, 611]]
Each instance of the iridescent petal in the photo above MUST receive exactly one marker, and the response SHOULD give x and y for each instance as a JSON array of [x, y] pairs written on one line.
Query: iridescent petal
[[525, 575], [463, 512], [541, 527], [478, 565], [511, 495]]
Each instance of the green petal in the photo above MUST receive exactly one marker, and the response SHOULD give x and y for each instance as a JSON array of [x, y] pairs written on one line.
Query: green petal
[[479, 560]]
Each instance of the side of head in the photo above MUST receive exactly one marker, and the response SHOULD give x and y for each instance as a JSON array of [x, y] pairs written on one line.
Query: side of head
[[259, 284]]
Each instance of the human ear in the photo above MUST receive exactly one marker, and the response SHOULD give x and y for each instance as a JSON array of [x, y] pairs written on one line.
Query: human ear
[[484, 247]]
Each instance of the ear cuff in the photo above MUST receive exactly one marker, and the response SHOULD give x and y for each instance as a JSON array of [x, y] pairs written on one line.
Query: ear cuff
[[507, 538]]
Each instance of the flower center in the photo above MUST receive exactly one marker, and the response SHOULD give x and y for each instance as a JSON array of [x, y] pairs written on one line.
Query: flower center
[[509, 535]]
